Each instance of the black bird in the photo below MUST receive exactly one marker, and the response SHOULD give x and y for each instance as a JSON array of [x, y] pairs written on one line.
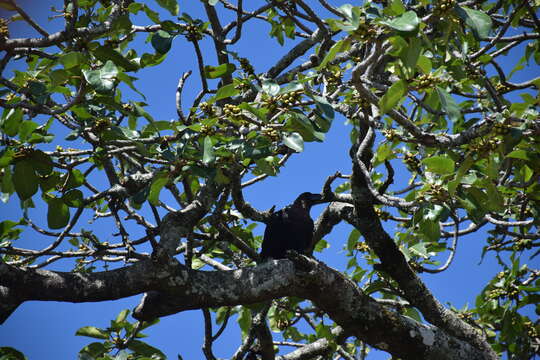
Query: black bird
[[290, 228]]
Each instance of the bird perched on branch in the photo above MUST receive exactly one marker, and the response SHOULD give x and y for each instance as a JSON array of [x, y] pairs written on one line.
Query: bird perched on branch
[[290, 228]]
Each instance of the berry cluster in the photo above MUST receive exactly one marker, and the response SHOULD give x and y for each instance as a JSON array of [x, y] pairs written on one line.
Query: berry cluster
[[290, 98], [390, 134], [412, 162], [383, 215], [485, 145], [522, 244], [365, 32], [4, 30], [444, 7], [501, 88], [362, 247], [193, 32], [101, 124], [242, 86], [424, 81], [207, 130], [501, 128], [206, 108], [232, 111], [24, 152], [438, 192], [271, 133]]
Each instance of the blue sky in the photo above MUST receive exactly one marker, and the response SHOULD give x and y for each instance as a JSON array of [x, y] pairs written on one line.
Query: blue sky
[[45, 330]]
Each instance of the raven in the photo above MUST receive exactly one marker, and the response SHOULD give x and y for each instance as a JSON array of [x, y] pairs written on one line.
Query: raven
[[290, 228]]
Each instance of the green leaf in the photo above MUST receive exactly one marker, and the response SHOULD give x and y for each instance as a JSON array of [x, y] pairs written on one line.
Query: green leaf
[[425, 64], [479, 22], [393, 96], [170, 5], [93, 332], [441, 165], [11, 122], [397, 7], [214, 72], [325, 109], [72, 59], [410, 55], [8, 230], [26, 129], [139, 110], [519, 154], [298, 122], [413, 314], [142, 348], [208, 151], [354, 236], [340, 46], [244, 320], [449, 105], [432, 232], [420, 248], [122, 315], [495, 199], [162, 41], [57, 213], [160, 180], [294, 141], [73, 198], [407, 22], [41, 162], [105, 53], [225, 92], [92, 351], [39, 91], [25, 179], [102, 79], [463, 169]]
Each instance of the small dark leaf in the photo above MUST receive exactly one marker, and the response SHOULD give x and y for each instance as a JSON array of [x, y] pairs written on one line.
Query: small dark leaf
[[57, 213], [162, 41], [214, 72], [73, 198], [25, 179], [41, 162]]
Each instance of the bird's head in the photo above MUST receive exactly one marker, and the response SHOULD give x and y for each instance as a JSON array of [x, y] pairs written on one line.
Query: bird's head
[[307, 200]]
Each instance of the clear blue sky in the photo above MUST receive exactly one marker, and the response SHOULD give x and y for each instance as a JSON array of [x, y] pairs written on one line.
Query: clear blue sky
[[45, 330]]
